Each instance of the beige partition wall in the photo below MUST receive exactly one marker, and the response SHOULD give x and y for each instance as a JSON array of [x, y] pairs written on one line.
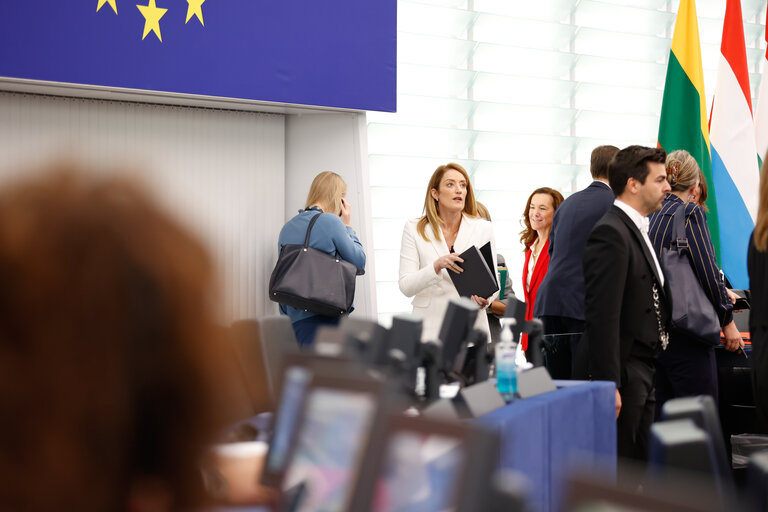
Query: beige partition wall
[[334, 141], [221, 171]]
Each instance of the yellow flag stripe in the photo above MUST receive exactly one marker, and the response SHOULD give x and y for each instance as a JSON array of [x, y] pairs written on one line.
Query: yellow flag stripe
[[687, 50]]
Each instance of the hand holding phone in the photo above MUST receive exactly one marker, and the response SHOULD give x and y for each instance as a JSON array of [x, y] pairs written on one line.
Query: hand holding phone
[[346, 212]]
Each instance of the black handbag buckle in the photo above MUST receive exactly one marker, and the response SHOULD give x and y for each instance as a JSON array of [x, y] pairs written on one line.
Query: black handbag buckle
[[682, 243]]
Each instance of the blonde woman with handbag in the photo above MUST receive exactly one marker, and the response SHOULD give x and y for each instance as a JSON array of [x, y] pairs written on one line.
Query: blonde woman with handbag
[[331, 233], [687, 367]]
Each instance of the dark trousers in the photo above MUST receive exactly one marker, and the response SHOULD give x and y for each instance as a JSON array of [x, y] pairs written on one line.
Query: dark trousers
[[561, 334], [305, 329], [686, 368], [638, 402]]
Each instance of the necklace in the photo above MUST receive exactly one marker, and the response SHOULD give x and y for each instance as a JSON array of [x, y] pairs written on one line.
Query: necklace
[[448, 233], [535, 248], [450, 237]]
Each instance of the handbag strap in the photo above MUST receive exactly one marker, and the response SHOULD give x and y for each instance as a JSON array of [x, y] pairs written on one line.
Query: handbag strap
[[679, 237], [309, 229]]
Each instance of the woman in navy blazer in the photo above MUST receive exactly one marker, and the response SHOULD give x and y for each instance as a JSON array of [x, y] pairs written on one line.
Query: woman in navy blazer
[[537, 216], [687, 367]]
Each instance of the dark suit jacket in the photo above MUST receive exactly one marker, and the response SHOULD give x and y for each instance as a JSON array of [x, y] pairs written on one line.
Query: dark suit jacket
[[562, 291], [757, 266], [619, 273]]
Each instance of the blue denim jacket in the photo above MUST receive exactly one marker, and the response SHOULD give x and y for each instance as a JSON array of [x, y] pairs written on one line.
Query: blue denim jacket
[[329, 234]]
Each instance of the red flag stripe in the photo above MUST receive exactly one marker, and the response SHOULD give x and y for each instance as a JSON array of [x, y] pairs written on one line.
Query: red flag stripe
[[733, 47]]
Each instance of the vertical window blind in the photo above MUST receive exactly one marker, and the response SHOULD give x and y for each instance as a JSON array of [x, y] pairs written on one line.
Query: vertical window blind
[[519, 93]]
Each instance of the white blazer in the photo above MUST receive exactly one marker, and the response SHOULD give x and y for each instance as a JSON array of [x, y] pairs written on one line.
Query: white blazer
[[431, 292]]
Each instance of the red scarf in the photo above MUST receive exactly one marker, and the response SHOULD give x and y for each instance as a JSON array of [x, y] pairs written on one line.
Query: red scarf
[[539, 271]]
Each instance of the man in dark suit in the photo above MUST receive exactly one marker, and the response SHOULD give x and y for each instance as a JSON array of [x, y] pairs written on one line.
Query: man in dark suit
[[625, 308], [560, 299]]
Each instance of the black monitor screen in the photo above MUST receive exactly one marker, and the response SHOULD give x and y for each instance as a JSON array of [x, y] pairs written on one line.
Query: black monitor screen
[[460, 316], [297, 380], [420, 472], [332, 435]]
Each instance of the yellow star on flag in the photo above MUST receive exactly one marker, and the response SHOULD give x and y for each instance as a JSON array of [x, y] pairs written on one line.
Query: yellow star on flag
[[195, 7], [112, 3], [152, 15]]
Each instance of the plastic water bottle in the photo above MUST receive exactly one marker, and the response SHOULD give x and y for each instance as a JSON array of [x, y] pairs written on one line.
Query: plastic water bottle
[[506, 371], [521, 363]]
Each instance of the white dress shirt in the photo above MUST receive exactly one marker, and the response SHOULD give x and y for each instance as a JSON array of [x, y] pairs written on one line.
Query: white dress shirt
[[642, 222], [531, 266], [603, 183]]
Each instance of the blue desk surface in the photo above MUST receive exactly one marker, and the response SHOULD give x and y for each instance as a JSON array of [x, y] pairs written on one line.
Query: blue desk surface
[[545, 436]]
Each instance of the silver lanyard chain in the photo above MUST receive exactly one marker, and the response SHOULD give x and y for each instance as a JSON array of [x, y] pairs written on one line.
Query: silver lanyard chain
[[663, 335]]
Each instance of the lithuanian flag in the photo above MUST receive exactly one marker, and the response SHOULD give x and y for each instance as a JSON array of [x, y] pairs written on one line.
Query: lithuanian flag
[[683, 122]]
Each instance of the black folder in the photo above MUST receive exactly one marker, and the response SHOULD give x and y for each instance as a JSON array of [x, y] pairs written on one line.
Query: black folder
[[477, 278]]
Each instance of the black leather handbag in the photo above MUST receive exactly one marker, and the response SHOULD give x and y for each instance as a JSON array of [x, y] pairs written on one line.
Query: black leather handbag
[[313, 280], [692, 312]]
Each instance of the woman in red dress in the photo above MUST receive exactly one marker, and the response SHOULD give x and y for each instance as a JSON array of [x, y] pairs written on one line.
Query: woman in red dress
[[537, 216]]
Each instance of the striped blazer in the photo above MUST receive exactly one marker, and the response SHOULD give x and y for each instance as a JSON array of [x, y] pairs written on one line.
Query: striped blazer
[[702, 251]]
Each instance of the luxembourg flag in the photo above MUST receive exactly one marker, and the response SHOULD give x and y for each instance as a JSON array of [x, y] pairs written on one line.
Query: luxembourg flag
[[735, 173]]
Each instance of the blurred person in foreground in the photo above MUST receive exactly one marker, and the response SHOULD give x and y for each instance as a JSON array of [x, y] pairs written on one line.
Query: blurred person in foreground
[[431, 246], [688, 367], [626, 309], [108, 362], [537, 216], [498, 307], [757, 266], [560, 299], [331, 233]]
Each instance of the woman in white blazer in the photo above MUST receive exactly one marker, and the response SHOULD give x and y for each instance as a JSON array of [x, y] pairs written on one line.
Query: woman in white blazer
[[431, 246]]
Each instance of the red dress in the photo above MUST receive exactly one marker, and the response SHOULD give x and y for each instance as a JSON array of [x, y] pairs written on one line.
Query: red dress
[[539, 270]]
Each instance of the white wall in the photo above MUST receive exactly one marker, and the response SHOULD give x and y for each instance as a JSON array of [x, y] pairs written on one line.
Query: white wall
[[234, 177], [222, 172], [333, 142]]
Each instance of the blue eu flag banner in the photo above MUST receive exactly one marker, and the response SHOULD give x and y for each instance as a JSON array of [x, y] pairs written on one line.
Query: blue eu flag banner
[[335, 53]]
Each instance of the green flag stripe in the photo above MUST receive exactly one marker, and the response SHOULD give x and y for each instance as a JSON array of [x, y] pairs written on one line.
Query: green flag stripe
[[680, 128]]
